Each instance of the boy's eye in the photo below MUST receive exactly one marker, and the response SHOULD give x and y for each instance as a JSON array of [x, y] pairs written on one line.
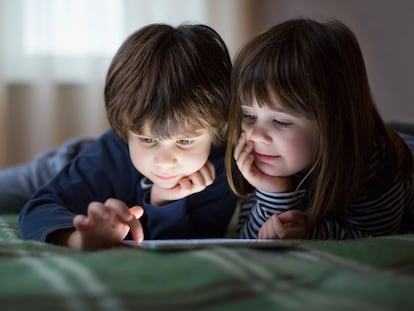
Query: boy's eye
[[185, 142], [147, 140], [281, 123]]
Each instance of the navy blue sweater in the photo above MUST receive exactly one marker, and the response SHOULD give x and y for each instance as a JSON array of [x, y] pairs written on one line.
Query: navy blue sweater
[[105, 171]]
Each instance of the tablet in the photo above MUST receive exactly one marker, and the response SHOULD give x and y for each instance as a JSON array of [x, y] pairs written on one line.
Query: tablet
[[183, 244]]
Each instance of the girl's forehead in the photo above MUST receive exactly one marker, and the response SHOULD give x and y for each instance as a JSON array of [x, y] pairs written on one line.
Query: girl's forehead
[[275, 106], [271, 103]]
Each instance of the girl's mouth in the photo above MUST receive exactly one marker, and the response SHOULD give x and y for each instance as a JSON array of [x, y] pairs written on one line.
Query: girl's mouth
[[265, 157]]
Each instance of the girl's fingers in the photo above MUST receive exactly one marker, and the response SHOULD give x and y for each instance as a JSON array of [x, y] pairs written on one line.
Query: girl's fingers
[[245, 164], [245, 155], [240, 145], [277, 227], [293, 216], [272, 229]]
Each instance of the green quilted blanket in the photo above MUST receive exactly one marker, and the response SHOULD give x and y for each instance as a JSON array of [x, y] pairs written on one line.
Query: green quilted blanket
[[366, 274]]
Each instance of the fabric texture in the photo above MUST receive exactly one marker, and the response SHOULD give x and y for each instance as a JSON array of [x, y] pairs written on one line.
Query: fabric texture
[[19, 182], [359, 275]]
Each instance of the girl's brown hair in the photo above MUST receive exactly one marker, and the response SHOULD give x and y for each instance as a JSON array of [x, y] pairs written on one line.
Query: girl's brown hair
[[170, 81], [317, 70]]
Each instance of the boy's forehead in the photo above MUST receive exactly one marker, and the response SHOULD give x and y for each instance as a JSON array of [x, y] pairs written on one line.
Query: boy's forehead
[[168, 130], [176, 136]]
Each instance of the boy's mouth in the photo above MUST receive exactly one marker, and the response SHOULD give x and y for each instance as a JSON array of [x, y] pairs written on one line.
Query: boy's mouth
[[166, 177]]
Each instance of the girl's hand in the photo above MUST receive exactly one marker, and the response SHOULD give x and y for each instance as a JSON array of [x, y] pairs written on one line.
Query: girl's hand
[[106, 224], [243, 154], [292, 224], [193, 183]]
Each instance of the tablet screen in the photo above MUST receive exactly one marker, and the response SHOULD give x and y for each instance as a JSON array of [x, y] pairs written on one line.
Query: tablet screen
[[176, 244]]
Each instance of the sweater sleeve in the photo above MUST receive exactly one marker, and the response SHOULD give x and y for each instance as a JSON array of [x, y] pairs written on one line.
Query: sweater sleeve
[[202, 215], [369, 216], [260, 205], [103, 171]]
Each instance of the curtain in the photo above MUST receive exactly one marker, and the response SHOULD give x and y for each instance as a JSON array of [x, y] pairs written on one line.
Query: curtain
[[55, 53]]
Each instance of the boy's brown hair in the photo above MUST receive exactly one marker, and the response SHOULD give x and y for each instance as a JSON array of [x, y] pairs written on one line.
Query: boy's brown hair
[[168, 81]]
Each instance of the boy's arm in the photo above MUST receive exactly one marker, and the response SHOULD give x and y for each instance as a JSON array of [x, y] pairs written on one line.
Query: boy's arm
[[90, 177], [205, 214]]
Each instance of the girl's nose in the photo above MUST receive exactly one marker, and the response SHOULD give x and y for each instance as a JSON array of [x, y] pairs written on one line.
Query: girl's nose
[[259, 135]]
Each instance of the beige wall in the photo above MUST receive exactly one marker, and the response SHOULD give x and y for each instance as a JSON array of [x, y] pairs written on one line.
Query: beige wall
[[385, 31], [383, 27]]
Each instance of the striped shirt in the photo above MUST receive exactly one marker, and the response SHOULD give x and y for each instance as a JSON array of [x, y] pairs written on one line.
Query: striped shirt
[[368, 215]]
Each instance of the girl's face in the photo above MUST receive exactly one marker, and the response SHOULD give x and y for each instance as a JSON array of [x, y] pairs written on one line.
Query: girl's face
[[166, 161], [283, 142]]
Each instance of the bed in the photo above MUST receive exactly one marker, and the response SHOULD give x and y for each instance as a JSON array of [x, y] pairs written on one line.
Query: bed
[[366, 274]]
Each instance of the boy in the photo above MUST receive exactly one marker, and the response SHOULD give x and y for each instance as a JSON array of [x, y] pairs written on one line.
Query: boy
[[159, 172]]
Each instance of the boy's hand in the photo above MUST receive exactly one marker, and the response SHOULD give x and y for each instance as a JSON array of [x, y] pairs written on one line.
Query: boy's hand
[[193, 183], [106, 225], [292, 224], [243, 154]]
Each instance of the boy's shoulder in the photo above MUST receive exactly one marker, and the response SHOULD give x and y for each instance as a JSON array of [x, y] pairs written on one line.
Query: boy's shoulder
[[217, 155], [110, 141], [217, 152], [107, 149]]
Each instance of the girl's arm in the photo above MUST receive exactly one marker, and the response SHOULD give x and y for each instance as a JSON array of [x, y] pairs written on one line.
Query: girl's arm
[[369, 216], [260, 206]]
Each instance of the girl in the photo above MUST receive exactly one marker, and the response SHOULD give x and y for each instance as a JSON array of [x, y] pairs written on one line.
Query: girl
[[311, 143]]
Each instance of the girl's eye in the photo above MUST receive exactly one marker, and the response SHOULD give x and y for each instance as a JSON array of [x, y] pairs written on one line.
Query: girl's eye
[[281, 124], [248, 117], [147, 140], [185, 142]]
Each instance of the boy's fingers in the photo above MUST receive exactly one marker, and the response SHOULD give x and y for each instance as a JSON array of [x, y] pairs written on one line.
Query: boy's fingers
[[137, 211], [136, 230], [211, 169], [97, 210], [135, 225], [185, 183], [208, 173], [119, 208], [81, 222]]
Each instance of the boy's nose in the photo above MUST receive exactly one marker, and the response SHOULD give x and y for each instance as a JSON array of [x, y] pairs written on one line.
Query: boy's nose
[[165, 158]]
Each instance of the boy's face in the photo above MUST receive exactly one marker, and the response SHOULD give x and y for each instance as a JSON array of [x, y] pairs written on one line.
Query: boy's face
[[165, 162]]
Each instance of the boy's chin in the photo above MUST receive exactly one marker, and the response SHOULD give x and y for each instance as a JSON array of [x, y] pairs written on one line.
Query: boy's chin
[[167, 185]]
